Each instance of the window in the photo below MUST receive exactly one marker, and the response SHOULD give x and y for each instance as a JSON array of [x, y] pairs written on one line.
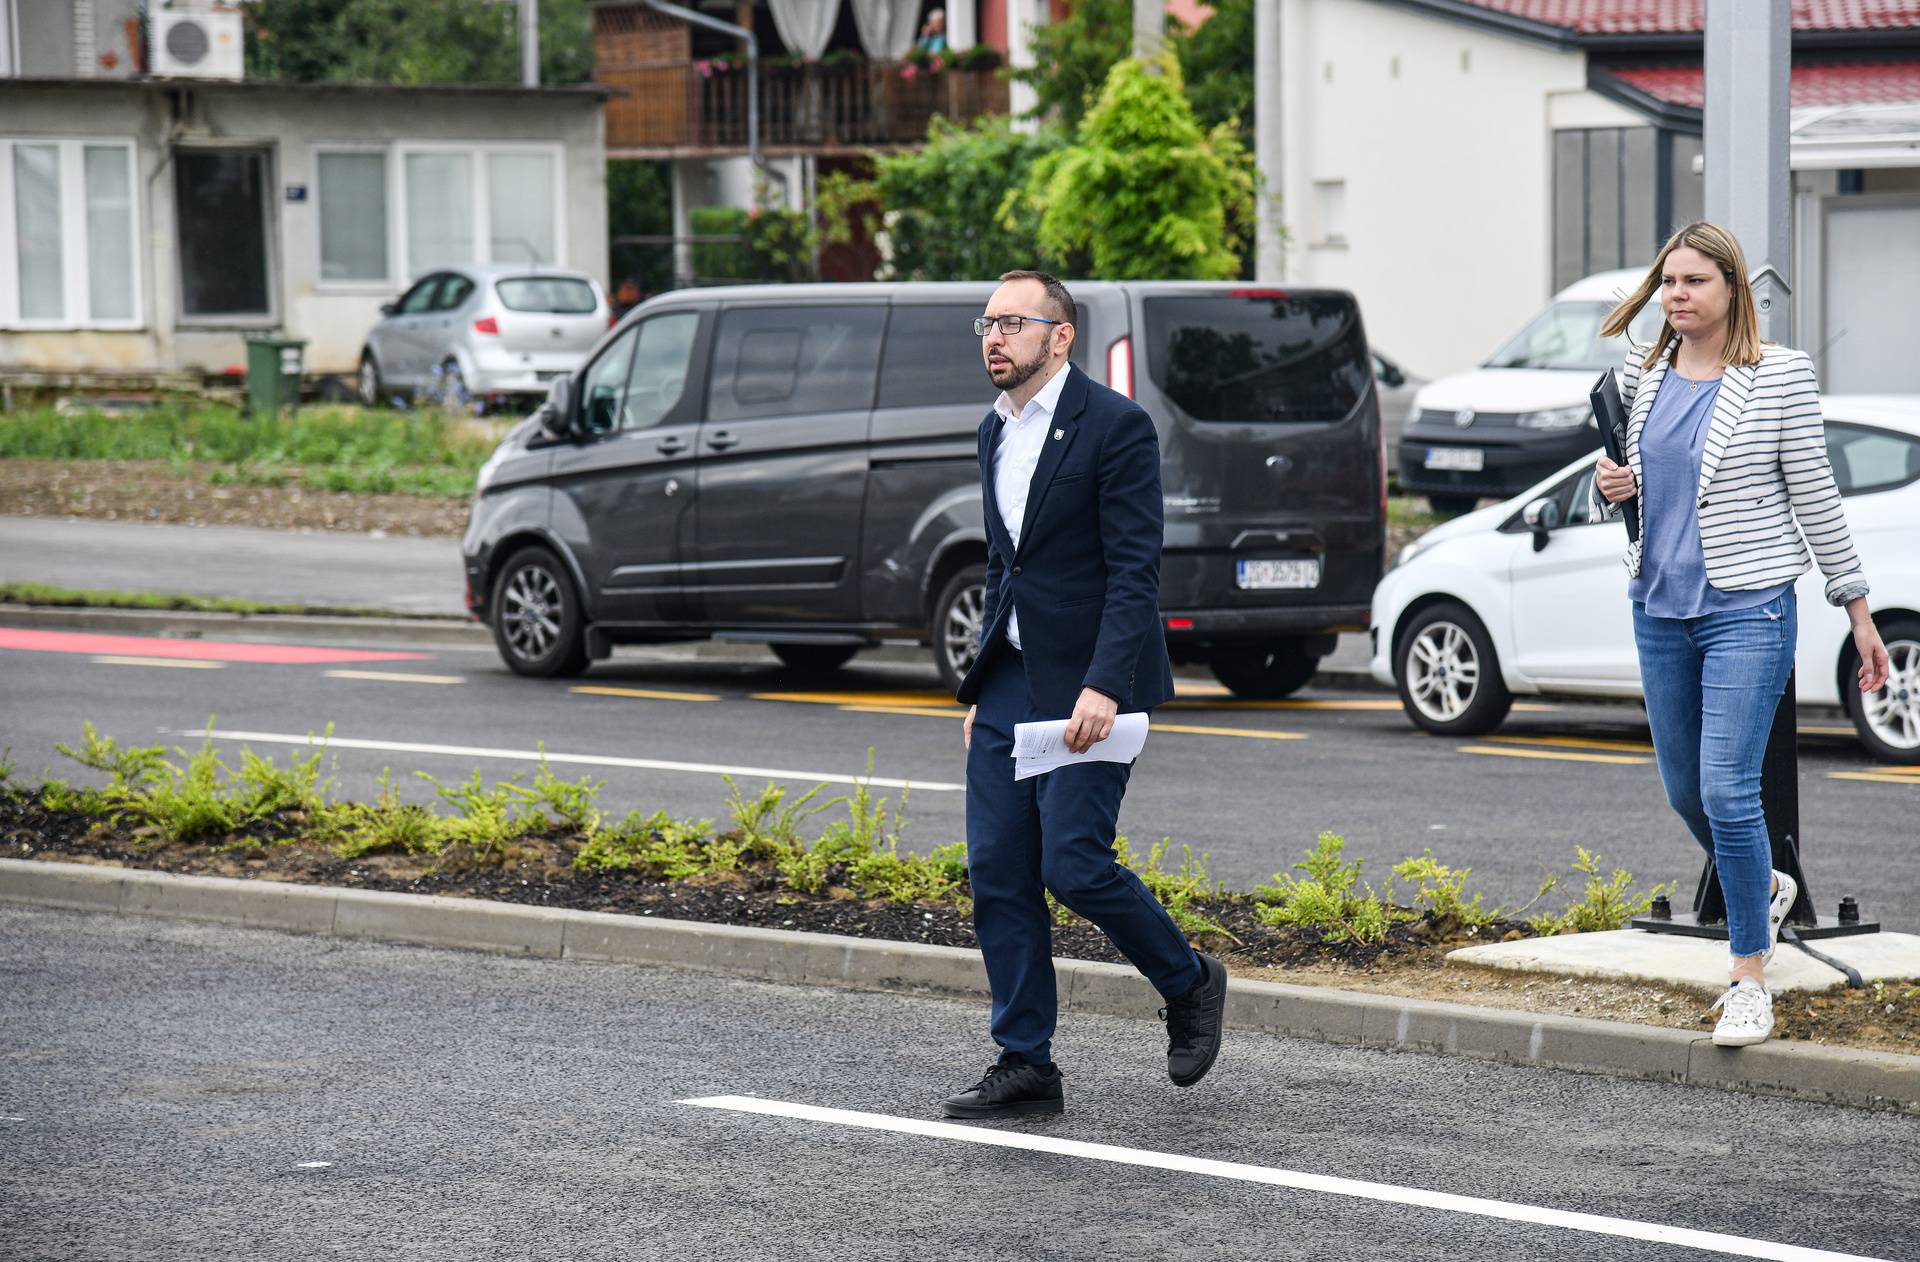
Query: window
[[604, 385], [220, 198], [660, 361], [1617, 194], [794, 360], [1259, 359], [554, 295], [386, 214], [439, 210], [419, 299], [1332, 195], [1866, 460], [1566, 336], [353, 216], [454, 291], [933, 358], [69, 238]]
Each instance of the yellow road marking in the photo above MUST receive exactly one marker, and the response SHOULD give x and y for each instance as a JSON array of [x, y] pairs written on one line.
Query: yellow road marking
[[1875, 777], [1255, 733], [954, 713], [1281, 705], [396, 677], [1555, 755], [929, 699], [181, 663], [1575, 742], [645, 694]]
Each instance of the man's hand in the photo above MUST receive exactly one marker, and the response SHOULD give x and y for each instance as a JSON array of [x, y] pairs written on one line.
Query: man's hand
[[1092, 720], [966, 729], [1615, 481]]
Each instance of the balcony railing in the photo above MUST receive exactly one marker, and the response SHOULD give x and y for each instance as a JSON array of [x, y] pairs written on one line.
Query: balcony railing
[[691, 106]]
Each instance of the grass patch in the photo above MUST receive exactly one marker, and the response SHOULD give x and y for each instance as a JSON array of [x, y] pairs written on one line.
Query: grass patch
[[427, 452], [1412, 512], [47, 596]]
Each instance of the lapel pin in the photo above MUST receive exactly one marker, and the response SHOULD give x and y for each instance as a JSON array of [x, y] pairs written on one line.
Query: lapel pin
[[1059, 434]]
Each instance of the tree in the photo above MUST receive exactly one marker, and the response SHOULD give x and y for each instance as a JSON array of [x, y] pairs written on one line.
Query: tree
[[1216, 61], [1144, 192], [413, 41], [941, 206], [1071, 57]]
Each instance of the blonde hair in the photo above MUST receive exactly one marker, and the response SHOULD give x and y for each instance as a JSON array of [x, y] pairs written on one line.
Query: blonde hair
[[1743, 322]]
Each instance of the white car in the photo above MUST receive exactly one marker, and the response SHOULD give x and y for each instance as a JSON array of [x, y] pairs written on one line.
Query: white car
[[1529, 596]]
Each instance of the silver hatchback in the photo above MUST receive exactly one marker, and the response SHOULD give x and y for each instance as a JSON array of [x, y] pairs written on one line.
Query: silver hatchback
[[465, 333]]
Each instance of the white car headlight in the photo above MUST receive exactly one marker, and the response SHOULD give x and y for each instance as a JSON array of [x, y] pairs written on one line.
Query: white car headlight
[[1412, 550], [1556, 418]]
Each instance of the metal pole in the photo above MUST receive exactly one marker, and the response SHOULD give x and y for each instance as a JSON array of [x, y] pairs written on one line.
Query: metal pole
[[1748, 184], [753, 80], [1149, 28], [1268, 245], [530, 43]]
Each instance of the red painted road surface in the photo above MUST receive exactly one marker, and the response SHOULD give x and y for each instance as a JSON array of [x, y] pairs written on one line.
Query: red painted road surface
[[196, 650]]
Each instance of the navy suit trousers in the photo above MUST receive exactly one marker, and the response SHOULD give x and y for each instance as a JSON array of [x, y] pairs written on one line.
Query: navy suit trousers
[[1053, 832]]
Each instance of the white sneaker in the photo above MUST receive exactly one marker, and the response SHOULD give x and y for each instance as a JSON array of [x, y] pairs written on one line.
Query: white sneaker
[[1746, 1017], [1777, 909]]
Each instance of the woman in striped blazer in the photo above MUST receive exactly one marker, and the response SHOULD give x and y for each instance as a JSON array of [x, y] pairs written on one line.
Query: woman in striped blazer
[[1725, 450]]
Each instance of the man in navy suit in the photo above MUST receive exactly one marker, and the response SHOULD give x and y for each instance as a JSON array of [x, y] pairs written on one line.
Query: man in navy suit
[[1070, 477]]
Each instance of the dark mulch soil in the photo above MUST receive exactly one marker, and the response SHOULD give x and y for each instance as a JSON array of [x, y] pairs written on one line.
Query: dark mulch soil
[[540, 871]]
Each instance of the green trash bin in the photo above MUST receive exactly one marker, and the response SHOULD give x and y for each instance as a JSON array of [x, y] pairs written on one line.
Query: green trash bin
[[273, 375]]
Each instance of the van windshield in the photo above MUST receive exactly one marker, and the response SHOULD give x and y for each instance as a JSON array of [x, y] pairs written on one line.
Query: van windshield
[[556, 295], [1567, 335], [1271, 358]]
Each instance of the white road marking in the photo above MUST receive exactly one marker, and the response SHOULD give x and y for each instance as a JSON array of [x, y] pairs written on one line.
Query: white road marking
[[315, 1165], [178, 663], [1598, 1224], [585, 760], [395, 677]]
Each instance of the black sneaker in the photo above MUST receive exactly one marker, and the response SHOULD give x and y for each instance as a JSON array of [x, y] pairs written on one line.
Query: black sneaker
[[1194, 1022], [1010, 1088]]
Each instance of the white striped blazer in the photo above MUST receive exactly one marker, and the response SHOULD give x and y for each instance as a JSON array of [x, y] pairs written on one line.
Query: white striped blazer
[[1765, 464]]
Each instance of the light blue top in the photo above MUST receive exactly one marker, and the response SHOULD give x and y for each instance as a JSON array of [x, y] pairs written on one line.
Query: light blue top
[[1673, 568]]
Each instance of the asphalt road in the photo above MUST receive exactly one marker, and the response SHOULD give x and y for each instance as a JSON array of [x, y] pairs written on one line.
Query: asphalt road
[[179, 1091], [1252, 785]]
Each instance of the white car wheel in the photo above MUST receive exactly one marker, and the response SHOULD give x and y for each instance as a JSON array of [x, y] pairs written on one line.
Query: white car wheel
[[1449, 679], [1888, 721]]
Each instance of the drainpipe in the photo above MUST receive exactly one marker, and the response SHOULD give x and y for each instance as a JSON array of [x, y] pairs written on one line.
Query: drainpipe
[[530, 43], [753, 80]]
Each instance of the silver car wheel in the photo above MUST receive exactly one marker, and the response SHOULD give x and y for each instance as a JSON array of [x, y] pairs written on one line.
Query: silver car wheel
[[960, 636], [530, 612], [1893, 713], [369, 382], [1443, 671]]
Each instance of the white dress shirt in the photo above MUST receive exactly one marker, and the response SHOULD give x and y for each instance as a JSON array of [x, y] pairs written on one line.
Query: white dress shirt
[[1022, 438]]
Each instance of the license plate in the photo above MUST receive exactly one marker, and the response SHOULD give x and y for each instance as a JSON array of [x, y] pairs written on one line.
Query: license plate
[[1464, 459], [1266, 575]]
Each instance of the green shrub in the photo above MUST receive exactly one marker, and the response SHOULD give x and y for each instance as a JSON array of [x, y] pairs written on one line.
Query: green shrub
[[769, 825], [574, 805], [1331, 898], [1177, 889], [1604, 904], [657, 846], [1439, 892], [383, 825], [488, 818]]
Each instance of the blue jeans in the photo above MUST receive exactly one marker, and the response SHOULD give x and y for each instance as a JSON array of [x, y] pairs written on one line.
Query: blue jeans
[[1712, 684]]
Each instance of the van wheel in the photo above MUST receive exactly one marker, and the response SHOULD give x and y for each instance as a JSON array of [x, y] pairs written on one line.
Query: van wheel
[[537, 623], [959, 616], [1888, 721], [1448, 675], [815, 657], [1453, 505], [1264, 672]]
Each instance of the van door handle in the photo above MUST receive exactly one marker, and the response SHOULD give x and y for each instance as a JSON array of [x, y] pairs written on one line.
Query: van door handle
[[671, 446], [720, 440]]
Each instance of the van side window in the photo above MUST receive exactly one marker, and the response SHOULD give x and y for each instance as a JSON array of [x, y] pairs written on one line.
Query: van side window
[[789, 361], [605, 384], [660, 361], [933, 357]]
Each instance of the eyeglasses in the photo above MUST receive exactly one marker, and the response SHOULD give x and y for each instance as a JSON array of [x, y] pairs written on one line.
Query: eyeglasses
[[1009, 324]]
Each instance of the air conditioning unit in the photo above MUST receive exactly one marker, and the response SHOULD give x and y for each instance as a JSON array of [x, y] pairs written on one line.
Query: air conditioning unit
[[198, 45]]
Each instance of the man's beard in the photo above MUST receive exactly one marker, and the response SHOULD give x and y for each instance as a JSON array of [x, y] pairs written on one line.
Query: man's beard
[[1017, 374]]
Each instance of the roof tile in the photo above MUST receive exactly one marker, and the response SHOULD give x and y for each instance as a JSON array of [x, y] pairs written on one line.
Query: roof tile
[[1651, 17]]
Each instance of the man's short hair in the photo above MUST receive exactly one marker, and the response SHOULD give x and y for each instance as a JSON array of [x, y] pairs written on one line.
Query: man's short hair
[[1058, 301]]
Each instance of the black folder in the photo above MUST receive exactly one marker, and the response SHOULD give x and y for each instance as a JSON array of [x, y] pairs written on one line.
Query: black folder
[[1610, 415]]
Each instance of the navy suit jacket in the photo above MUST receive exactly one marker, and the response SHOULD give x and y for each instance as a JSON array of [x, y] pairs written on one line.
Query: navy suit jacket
[[1086, 576]]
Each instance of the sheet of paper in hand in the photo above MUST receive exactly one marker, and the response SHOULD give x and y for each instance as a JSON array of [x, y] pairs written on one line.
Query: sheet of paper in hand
[[1041, 747]]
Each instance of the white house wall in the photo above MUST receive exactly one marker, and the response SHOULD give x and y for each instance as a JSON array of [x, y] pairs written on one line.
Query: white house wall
[[333, 318], [1442, 136]]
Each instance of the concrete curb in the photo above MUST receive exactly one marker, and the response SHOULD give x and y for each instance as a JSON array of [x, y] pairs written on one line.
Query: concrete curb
[[1865, 1079]]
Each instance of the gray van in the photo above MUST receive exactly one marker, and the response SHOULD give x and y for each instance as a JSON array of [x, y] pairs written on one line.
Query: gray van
[[795, 465]]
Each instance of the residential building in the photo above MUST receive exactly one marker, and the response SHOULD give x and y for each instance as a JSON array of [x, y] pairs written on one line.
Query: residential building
[[1454, 162]]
